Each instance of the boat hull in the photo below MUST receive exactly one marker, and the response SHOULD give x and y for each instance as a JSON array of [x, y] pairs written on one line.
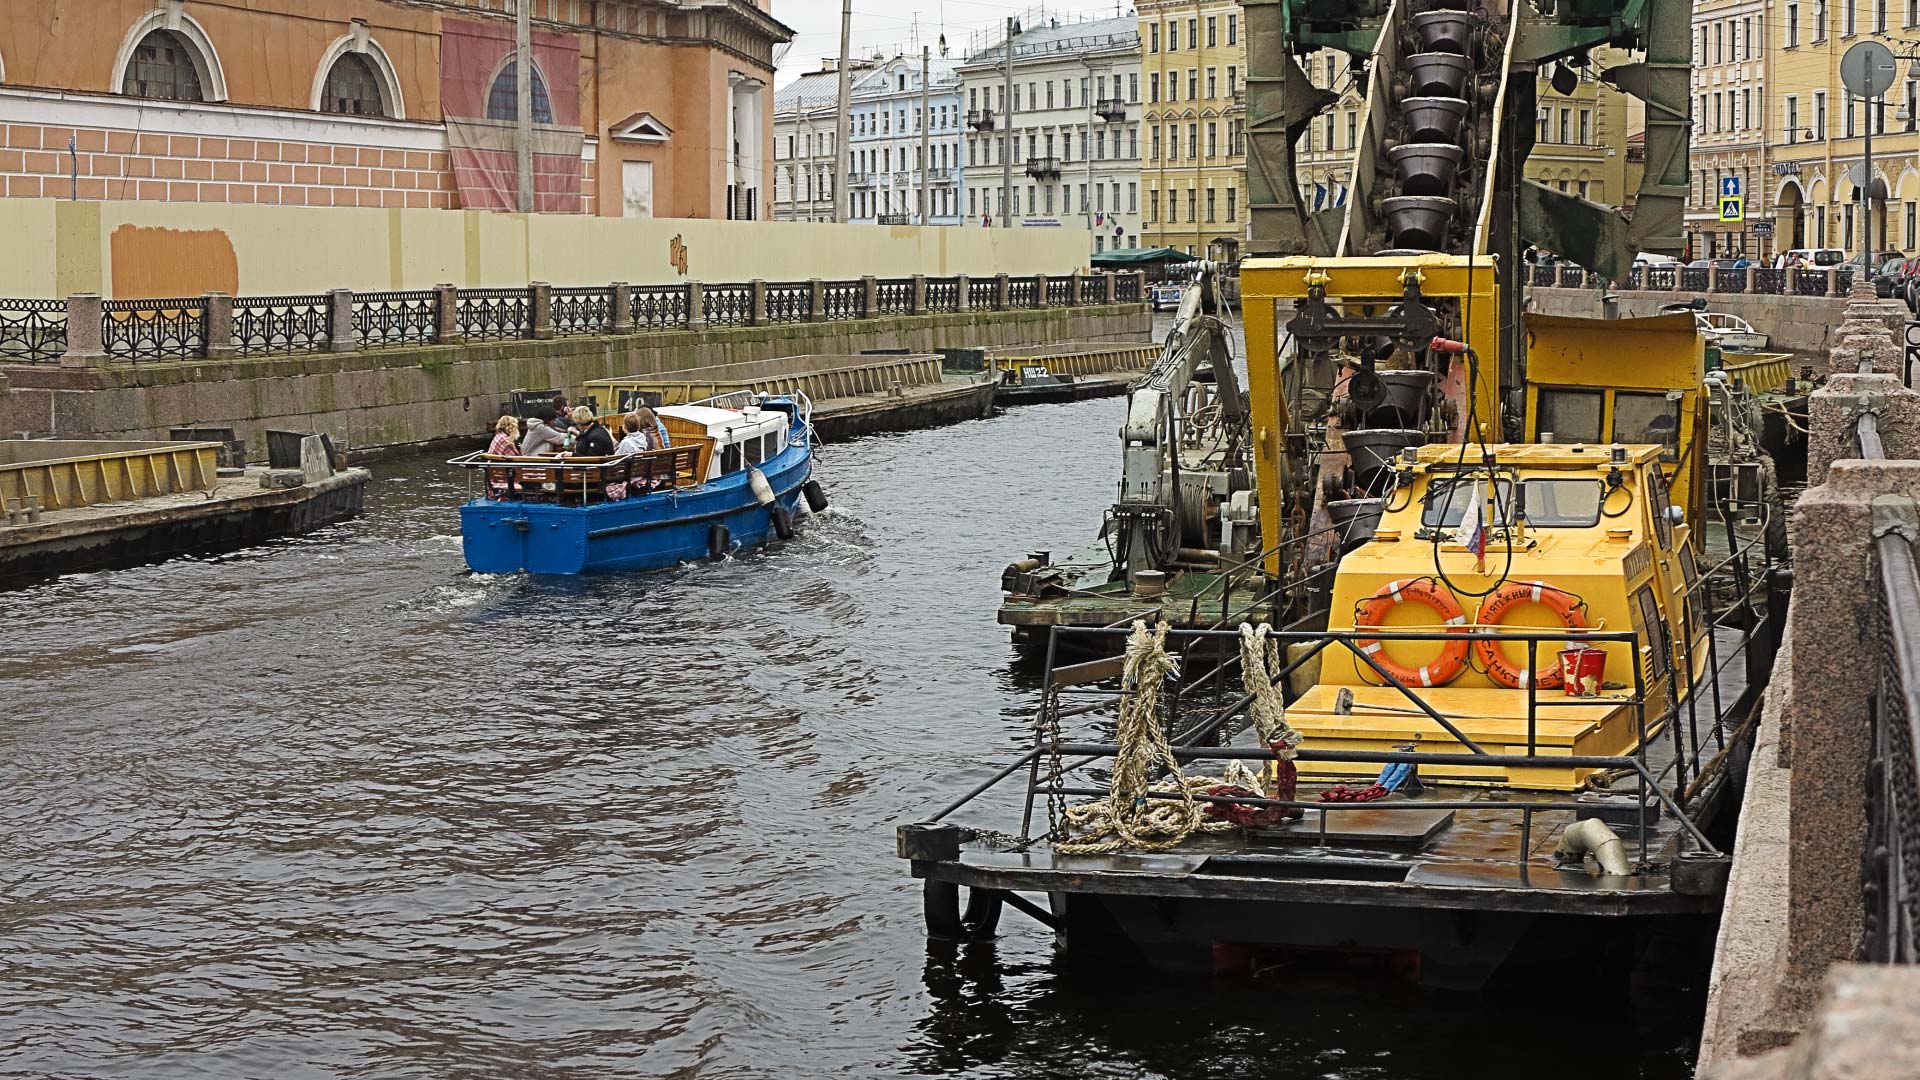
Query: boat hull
[[648, 533]]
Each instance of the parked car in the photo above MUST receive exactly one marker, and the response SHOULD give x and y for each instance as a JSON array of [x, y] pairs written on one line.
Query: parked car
[[1890, 278], [1811, 258]]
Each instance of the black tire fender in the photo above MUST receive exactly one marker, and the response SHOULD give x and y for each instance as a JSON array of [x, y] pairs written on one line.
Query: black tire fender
[[719, 541], [948, 921], [782, 521]]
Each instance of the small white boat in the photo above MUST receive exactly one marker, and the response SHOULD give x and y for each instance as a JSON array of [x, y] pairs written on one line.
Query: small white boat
[[1729, 332], [1164, 296]]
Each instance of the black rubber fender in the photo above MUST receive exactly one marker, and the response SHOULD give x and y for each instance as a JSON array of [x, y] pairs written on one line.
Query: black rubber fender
[[782, 521], [947, 921], [816, 496], [719, 542]]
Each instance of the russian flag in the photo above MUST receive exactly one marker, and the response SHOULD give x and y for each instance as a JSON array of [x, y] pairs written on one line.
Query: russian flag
[[1473, 526]]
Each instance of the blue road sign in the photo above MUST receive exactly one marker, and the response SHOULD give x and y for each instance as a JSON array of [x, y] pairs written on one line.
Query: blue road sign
[[1729, 185]]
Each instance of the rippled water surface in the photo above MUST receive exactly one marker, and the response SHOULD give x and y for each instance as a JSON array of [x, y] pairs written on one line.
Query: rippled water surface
[[336, 808]]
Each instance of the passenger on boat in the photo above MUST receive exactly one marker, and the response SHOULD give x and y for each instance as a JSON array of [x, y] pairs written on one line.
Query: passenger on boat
[[506, 438], [591, 438], [563, 415], [656, 428], [635, 440], [542, 437]]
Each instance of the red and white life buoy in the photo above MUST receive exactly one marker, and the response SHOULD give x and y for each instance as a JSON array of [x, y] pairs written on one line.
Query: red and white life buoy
[[1570, 609], [1428, 593]]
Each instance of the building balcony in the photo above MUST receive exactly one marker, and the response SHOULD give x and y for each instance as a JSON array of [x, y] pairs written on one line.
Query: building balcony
[[896, 219], [860, 179], [1043, 168], [980, 119], [1110, 108]]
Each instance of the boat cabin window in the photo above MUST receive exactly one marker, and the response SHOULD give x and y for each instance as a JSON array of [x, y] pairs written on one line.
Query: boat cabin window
[[1448, 500], [1662, 523], [730, 458], [1647, 418], [1653, 634], [1570, 415], [1562, 504], [753, 451], [1690, 572]]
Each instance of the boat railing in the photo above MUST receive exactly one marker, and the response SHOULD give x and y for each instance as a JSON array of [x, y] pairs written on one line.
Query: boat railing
[[1089, 687], [574, 481]]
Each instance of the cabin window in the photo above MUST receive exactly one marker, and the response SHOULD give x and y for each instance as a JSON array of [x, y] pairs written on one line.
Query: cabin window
[[1653, 634], [1662, 521], [1647, 418], [753, 451], [1690, 573], [1448, 500], [1562, 504], [769, 446], [730, 458], [1570, 416]]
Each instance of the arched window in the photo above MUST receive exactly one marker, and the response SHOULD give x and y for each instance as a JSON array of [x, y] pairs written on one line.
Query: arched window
[[502, 100], [353, 88], [163, 67]]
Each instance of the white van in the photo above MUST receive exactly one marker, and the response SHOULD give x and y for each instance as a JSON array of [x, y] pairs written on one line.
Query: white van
[[1815, 258]]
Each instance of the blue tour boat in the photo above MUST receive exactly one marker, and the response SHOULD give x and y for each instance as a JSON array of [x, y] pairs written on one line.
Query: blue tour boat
[[738, 470]]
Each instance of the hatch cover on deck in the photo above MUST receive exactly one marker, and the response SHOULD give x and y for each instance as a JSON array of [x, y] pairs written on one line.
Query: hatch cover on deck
[[1410, 828]]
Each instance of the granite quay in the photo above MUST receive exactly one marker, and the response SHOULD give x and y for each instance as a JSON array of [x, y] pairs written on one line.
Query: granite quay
[[384, 369]]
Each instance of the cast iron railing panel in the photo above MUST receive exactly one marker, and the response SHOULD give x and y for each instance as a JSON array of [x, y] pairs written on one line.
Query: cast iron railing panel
[[1694, 278], [789, 301], [142, 329], [282, 324], [1810, 283], [33, 331], [1726, 279], [727, 305], [844, 300], [582, 310], [395, 318], [1766, 279], [1891, 864], [1126, 289], [1059, 291], [1540, 275], [943, 294], [660, 306], [894, 297], [482, 314], [1022, 293], [983, 293]]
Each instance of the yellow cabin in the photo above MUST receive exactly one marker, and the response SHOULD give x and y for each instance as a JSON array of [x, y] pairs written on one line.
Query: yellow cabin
[[1578, 542]]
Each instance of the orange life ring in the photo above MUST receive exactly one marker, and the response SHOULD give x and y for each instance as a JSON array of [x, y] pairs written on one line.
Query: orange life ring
[[1570, 608], [1424, 591]]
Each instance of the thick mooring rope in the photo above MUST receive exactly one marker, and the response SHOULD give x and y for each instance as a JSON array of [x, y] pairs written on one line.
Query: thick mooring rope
[[1127, 819], [1260, 663]]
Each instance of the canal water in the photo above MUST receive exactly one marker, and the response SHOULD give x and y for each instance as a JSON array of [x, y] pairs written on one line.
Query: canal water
[[335, 807]]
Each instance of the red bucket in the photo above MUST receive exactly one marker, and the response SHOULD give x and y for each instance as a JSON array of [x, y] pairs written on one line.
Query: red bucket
[[1583, 671]]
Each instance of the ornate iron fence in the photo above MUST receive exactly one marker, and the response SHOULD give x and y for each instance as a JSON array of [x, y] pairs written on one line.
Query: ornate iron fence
[[984, 293], [281, 324], [1572, 277], [1126, 289], [1097, 289], [1541, 275], [582, 310], [1059, 291], [1843, 279], [141, 329], [790, 301], [943, 294], [1022, 292], [844, 300], [1694, 278], [395, 318], [1729, 280], [660, 306], [1766, 279], [1809, 283], [894, 297], [481, 314], [727, 305], [1663, 277], [1890, 866], [33, 331]]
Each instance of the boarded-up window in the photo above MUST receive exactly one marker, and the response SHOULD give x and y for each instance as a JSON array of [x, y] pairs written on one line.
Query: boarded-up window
[[352, 88]]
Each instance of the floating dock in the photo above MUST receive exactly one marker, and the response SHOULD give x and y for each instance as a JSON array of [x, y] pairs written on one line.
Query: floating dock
[[81, 505], [1062, 371], [851, 394]]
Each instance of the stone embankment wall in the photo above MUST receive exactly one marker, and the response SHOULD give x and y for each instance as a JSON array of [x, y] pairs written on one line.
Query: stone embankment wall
[[1785, 1001], [1803, 324], [400, 397]]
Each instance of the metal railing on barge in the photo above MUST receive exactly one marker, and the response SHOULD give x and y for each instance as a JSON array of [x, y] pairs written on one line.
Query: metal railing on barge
[[1702, 738]]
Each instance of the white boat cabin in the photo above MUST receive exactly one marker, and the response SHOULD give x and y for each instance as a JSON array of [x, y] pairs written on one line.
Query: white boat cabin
[[741, 437]]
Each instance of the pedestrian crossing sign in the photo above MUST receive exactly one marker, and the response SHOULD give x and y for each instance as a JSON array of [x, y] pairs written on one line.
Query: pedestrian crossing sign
[[1733, 208]]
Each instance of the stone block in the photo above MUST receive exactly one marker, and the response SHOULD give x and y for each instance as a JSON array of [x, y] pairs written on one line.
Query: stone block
[[282, 478], [1832, 409]]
